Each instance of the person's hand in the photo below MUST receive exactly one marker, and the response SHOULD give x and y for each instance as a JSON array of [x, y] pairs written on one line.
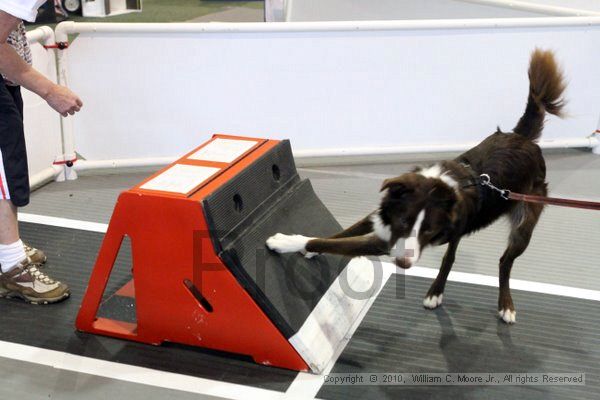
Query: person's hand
[[63, 100]]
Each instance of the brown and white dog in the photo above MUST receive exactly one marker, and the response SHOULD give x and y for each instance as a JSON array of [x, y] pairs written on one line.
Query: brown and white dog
[[444, 202]]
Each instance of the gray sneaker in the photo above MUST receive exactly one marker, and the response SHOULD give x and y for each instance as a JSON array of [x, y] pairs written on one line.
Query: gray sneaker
[[36, 257], [27, 282]]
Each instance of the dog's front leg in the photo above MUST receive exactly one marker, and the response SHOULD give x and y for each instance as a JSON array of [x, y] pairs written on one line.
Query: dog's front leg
[[360, 228], [366, 245], [433, 299]]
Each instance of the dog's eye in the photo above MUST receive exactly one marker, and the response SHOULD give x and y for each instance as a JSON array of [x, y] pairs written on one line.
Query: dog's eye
[[399, 198], [397, 195]]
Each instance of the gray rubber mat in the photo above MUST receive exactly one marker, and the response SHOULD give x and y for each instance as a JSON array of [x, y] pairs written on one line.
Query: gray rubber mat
[[552, 334], [23, 380], [71, 256]]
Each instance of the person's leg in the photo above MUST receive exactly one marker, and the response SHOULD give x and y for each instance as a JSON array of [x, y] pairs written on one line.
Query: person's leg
[[35, 256], [12, 145], [12, 251], [11, 127], [18, 276], [9, 228]]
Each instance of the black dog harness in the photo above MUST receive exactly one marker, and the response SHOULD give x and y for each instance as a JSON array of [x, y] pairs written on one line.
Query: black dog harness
[[474, 180]]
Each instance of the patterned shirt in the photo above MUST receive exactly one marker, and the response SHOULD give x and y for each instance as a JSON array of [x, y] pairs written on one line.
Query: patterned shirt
[[18, 41]]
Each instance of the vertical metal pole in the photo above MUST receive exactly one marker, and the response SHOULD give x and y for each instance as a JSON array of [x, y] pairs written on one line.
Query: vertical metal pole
[[68, 172], [596, 138]]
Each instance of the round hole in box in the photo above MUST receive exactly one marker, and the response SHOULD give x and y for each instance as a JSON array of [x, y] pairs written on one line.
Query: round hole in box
[[276, 172], [238, 204]]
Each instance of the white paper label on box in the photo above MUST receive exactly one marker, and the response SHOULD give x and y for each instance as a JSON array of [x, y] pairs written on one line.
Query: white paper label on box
[[180, 178], [223, 150]]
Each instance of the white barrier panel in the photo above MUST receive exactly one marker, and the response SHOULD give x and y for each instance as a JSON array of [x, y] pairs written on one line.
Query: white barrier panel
[[363, 10], [154, 90], [42, 123], [584, 6]]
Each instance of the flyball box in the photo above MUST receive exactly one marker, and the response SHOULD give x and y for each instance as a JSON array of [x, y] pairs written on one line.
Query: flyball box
[[201, 274]]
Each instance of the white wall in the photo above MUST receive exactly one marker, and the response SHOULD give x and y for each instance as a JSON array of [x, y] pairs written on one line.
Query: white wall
[[365, 10], [587, 5], [149, 94], [42, 124]]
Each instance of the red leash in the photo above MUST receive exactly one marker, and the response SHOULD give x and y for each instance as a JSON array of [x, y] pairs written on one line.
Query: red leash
[[588, 205], [484, 179]]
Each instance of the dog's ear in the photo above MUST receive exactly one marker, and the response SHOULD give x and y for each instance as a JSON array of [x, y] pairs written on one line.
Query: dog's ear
[[394, 186], [442, 196]]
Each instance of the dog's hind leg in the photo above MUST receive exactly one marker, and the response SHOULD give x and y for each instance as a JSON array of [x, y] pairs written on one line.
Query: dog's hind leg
[[435, 293], [523, 219], [365, 245]]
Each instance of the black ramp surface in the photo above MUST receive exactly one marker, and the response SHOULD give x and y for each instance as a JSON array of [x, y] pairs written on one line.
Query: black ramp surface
[[71, 256], [266, 198], [553, 334]]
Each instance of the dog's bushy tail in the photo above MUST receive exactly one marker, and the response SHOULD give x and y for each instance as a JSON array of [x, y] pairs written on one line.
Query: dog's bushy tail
[[546, 86]]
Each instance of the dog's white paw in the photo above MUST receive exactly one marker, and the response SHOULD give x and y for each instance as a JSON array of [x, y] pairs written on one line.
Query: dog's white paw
[[288, 243], [432, 302], [508, 316], [308, 254]]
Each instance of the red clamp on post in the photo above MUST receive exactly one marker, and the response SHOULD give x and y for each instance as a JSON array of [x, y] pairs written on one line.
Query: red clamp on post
[[68, 163], [58, 45]]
